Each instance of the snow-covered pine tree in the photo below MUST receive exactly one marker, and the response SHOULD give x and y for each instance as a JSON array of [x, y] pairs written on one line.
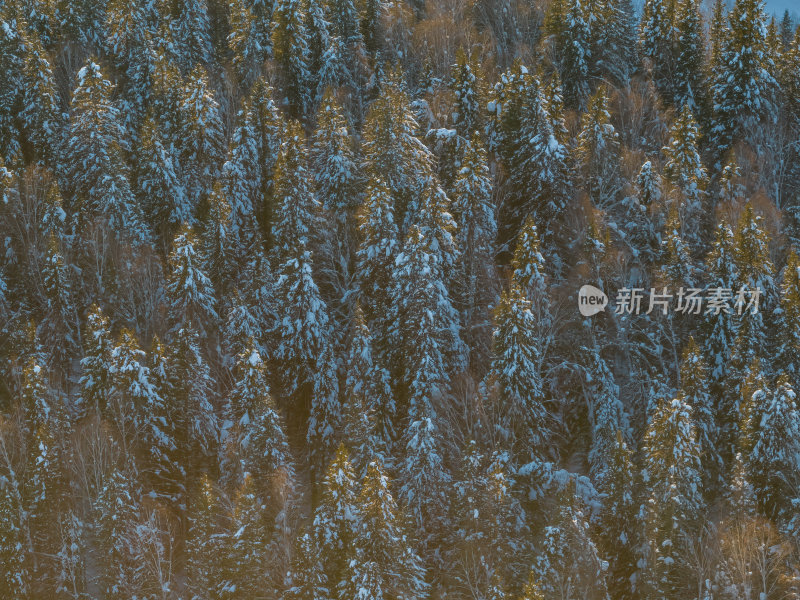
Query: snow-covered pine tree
[[774, 462], [221, 246], [59, 325], [618, 531], [292, 53], [306, 578], [94, 164], [205, 543], [163, 471], [569, 560], [41, 114], [598, 150], [242, 323], [391, 149], [788, 327], [128, 40], [657, 41], [684, 169], [191, 388], [337, 518], [15, 576], [249, 37], [201, 138], [690, 72], [377, 250], [474, 288], [694, 392], [383, 542], [94, 381], [675, 504], [577, 55], [516, 371], [743, 87], [114, 512], [719, 334], [675, 267], [192, 31], [190, 293], [370, 406], [247, 573]]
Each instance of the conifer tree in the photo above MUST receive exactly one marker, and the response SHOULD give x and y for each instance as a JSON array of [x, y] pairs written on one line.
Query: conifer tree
[[202, 142], [391, 149], [569, 559], [160, 182], [598, 150], [529, 274], [673, 467], [516, 367], [773, 463], [336, 519], [657, 41], [685, 170], [618, 530], [475, 235], [41, 115], [220, 244], [242, 177], [369, 420], [128, 40], [743, 87], [248, 573], [193, 34], [190, 293], [93, 162], [383, 543], [306, 579], [15, 578], [577, 55], [789, 320], [94, 381], [468, 88], [694, 392], [690, 85], [249, 37], [114, 509], [291, 51], [377, 250], [59, 296], [204, 544]]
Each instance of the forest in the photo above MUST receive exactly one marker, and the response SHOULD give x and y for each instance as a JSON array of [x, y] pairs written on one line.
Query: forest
[[293, 300]]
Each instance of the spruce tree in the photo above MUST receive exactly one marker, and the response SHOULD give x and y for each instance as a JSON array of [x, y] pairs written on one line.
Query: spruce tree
[[94, 381], [789, 320], [190, 293], [94, 157], [657, 41], [249, 37], [743, 87], [204, 543], [193, 34], [773, 462], [598, 151], [674, 506], [291, 51], [306, 578]]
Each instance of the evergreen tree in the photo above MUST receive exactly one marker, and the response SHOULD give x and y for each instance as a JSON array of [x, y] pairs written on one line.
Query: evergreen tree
[[657, 41], [516, 368], [789, 320], [475, 235], [114, 510], [377, 250], [690, 85], [204, 544], [598, 150], [694, 392], [672, 472], [159, 180], [94, 381], [469, 101], [618, 529], [202, 141], [577, 55], [190, 292], [569, 562], [743, 87], [129, 43], [94, 163], [221, 247], [291, 51], [306, 579], [193, 34], [684, 169], [773, 462], [249, 37], [383, 553], [337, 517], [59, 296]]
